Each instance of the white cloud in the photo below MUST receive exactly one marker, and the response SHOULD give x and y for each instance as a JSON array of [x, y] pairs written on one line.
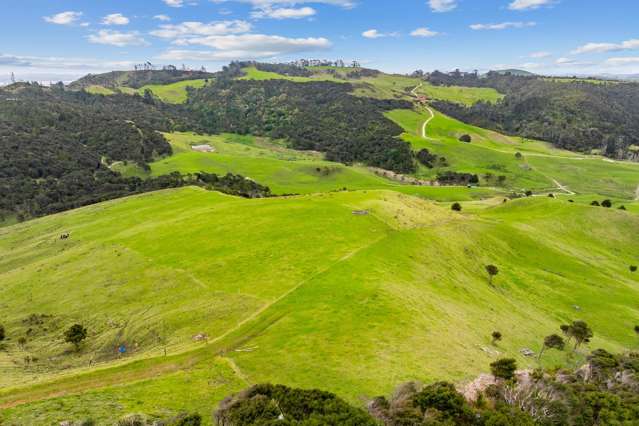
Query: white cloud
[[540, 55], [442, 5], [569, 62], [623, 61], [115, 19], [116, 38], [372, 33], [244, 46], [283, 13], [424, 32], [191, 29], [529, 4], [259, 4], [502, 26], [63, 18], [174, 3], [607, 47], [163, 18]]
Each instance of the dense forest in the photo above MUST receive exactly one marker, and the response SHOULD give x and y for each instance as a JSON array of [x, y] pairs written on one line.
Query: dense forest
[[321, 116], [575, 115]]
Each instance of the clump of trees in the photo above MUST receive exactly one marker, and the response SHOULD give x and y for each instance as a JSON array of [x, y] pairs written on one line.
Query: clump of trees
[[276, 404], [579, 331], [553, 341], [456, 178], [75, 334], [504, 368], [430, 160]]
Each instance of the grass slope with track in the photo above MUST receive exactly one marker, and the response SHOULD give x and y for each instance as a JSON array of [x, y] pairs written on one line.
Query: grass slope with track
[[356, 305]]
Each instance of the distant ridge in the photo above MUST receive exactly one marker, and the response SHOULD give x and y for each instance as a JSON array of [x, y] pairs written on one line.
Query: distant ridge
[[516, 72], [137, 79]]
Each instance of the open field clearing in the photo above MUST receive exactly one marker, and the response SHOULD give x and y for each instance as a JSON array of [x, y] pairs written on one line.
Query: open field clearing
[[286, 171], [361, 303]]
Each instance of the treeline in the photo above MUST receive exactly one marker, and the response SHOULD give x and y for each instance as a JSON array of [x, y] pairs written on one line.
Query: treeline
[[56, 147], [320, 116], [81, 188], [139, 78], [574, 115]]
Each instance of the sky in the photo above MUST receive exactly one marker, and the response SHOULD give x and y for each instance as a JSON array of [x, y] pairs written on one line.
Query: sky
[[61, 40]]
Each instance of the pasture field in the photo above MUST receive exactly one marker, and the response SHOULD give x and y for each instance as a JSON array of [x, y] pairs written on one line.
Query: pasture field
[[295, 290], [287, 171], [174, 93], [385, 86], [539, 167]]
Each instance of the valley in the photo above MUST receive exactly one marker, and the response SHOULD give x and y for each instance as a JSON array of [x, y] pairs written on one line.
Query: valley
[[342, 280]]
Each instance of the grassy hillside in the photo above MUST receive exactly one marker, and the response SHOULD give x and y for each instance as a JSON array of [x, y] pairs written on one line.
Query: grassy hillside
[[357, 305], [284, 170], [386, 86], [174, 93], [539, 168]]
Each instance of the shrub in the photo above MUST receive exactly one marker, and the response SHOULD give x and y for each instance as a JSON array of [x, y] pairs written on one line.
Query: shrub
[[595, 203], [75, 334], [456, 207], [606, 203], [504, 368], [266, 404], [633, 268], [465, 138], [2, 333], [492, 271], [496, 335], [529, 193]]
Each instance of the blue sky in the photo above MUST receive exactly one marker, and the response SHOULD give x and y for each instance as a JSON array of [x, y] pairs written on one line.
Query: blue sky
[[63, 39]]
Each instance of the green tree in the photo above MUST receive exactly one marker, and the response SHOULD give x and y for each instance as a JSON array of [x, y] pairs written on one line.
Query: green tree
[[492, 271], [496, 335], [554, 341], [504, 368], [456, 207], [606, 203], [578, 330], [633, 268], [75, 334]]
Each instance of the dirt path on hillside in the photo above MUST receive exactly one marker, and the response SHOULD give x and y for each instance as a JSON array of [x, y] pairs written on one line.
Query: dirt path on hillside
[[430, 111], [563, 188]]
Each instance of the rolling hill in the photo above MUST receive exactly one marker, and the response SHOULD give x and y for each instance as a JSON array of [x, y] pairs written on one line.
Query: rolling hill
[[371, 298], [350, 279]]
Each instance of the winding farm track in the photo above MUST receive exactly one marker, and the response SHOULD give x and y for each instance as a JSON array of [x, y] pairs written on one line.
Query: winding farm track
[[430, 111]]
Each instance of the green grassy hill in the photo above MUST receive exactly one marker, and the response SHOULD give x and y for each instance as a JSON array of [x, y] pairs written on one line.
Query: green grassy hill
[[356, 305], [539, 168]]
